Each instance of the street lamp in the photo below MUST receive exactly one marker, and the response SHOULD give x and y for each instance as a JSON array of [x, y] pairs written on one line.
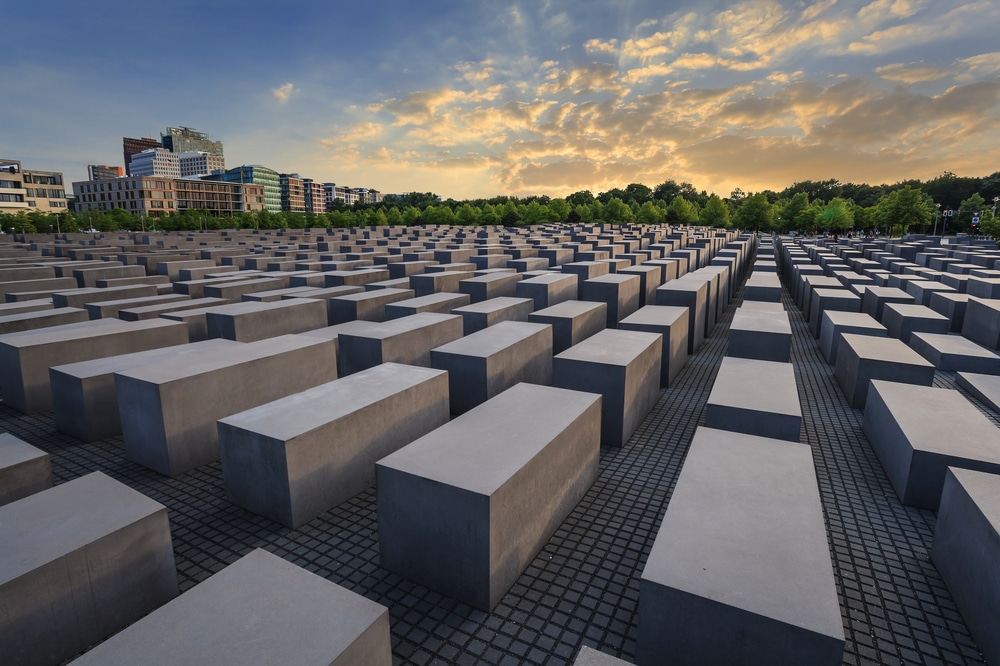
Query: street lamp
[[936, 215], [995, 201]]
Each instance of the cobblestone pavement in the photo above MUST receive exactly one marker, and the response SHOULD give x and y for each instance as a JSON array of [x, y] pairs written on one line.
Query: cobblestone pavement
[[583, 587]]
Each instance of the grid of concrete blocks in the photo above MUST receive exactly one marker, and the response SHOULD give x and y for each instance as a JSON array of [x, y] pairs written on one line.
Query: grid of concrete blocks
[[446, 405]]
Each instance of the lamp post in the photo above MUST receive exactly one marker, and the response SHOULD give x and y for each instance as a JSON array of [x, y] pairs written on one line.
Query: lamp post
[[937, 214], [995, 201]]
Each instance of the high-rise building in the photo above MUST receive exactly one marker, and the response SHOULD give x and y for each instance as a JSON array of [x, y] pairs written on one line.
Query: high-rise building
[[293, 198], [102, 172], [185, 139], [200, 163], [44, 191], [12, 194], [257, 175], [132, 147], [156, 162], [315, 197]]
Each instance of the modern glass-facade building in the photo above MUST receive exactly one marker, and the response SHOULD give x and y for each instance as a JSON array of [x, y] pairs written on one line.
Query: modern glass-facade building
[[257, 175], [184, 139]]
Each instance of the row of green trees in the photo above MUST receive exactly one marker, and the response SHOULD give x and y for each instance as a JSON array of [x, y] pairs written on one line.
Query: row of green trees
[[807, 206]]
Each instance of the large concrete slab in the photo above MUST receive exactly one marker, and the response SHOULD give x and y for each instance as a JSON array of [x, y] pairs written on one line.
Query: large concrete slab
[[955, 353], [464, 509], [38, 319], [694, 296], [366, 305], [478, 316], [572, 322], [25, 358], [548, 290], [260, 609], [756, 398], [24, 469], [618, 290], [902, 320], [740, 570], [916, 445], [966, 552], [984, 388], [169, 410], [671, 323], [862, 358], [408, 340], [763, 336], [441, 302], [982, 322], [79, 562], [836, 323], [250, 321], [624, 367], [488, 362], [297, 457]]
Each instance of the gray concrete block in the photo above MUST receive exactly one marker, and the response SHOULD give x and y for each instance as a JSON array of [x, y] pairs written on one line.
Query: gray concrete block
[[875, 298], [409, 340], [671, 323], [442, 302], [479, 316], [862, 358], [591, 657], [650, 277], [110, 309], [982, 387], [250, 321], [916, 445], [260, 609], [835, 323], [740, 570], [78, 298], [464, 509], [25, 358], [966, 552], [767, 337], [366, 305], [762, 287], [78, 562], [297, 457], [840, 300], [955, 353], [619, 291], [548, 290], [902, 320], [624, 367], [433, 282], [694, 296], [492, 285], [24, 469], [952, 306], [756, 398], [40, 319], [488, 362], [145, 312], [169, 410], [922, 291], [84, 400], [982, 322], [572, 322]]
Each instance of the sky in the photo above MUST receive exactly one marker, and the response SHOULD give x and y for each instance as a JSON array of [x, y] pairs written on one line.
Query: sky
[[476, 99]]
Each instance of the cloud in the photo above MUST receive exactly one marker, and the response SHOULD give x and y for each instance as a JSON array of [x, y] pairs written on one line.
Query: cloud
[[284, 92]]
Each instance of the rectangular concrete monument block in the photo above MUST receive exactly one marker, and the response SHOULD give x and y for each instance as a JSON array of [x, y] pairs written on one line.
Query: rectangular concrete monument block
[[492, 285], [169, 410], [671, 323], [624, 367], [763, 336], [694, 296], [740, 570], [488, 362], [836, 323], [366, 305], [862, 358], [78, 562], [756, 398], [984, 388], [840, 300], [408, 340], [955, 353], [479, 316], [24, 469], [916, 445], [432, 283], [25, 358], [442, 303], [875, 298], [84, 400], [902, 320], [250, 321], [465, 508], [762, 287], [982, 322], [572, 322], [39, 319], [260, 609], [548, 290], [295, 458], [619, 291], [966, 552]]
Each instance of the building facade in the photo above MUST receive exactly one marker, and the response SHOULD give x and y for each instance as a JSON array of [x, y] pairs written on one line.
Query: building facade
[[198, 163], [217, 197], [104, 172], [156, 162], [257, 175], [149, 196], [315, 197], [185, 139], [293, 197], [132, 147], [13, 198], [44, 191]]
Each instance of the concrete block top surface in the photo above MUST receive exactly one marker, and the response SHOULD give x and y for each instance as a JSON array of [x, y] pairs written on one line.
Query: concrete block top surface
[[244, 307], [889, 350], [50, 524], [778, 567], [570, 309], [259, 610], [762, 322], [302, 412], [938, 420], [852, 319], [103, 366], [914, 310], [491, 340], [82, 331], [394, 327], [494, 304], [521, 420], [611, 347], [14, 451], [764, 386], [656, 315], [984, 489], [212, 360], [591, 657], [954, 344]]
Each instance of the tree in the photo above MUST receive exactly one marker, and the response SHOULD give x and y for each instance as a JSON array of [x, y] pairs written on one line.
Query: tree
[[617, 211], [560, 209], [715, 213], [467, 215], [969, 207], [756, 213], [440, 214], [836, 216], [902, 209], [583, 197], [638, 193], [681, 211], [790, 210], [650, 213]]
